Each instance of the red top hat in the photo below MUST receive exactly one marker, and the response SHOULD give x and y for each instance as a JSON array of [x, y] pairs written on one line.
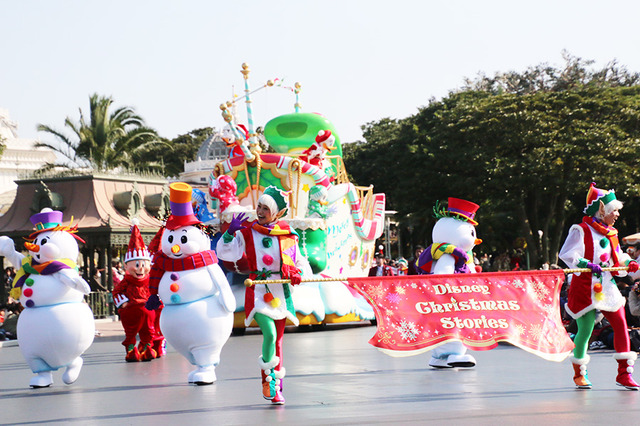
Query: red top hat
[[181, 207], [463, 209]]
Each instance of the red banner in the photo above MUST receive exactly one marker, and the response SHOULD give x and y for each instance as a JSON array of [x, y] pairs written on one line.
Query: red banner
[[419, 312]]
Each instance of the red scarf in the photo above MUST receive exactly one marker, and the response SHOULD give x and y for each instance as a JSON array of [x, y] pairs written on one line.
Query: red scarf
[[609, 232], [162, 263]]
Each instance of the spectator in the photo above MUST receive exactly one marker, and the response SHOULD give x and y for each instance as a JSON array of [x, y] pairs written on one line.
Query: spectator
[[381, 269], [413, 262]]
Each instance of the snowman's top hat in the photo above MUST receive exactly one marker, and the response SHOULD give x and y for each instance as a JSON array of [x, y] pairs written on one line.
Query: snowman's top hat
[[181, 207], [458, 209], [51, 220]]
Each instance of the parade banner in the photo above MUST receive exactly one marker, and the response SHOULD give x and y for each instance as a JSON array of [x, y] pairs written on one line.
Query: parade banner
[[419, 312]]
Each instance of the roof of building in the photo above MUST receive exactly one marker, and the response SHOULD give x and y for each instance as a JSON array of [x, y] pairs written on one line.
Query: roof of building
[[98, 203]]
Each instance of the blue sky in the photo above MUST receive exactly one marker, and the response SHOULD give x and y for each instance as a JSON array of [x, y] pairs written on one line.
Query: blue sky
[[358, 61]]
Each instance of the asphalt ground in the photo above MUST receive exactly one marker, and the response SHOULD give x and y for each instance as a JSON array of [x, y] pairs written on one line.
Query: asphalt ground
[[333, 377]]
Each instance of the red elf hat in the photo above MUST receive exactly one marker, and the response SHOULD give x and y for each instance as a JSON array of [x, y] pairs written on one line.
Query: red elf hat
[[136, 249]]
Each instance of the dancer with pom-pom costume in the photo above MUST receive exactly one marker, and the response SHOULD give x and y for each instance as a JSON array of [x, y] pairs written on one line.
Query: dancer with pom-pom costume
[[593, 244], [271, 248]]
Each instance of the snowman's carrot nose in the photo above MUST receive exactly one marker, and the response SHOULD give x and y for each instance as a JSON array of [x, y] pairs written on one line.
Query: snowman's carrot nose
[[175, 249], [32, 247], [478, 241]]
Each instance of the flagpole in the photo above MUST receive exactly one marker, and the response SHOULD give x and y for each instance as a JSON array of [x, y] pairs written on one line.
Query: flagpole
[[249, 282]]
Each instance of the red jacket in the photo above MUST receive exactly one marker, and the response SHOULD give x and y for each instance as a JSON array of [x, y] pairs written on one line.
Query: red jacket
[[137, 291]]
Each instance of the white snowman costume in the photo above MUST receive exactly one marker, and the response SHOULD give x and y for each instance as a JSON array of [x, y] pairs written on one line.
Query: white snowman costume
[[454, 237], [198, 314], [56, 326]]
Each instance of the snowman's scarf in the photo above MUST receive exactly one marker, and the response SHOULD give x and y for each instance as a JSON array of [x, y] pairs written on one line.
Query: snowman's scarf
[[30, 266], [162, 263], [435, 252]]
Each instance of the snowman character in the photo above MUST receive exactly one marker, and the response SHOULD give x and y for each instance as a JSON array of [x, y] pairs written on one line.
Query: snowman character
[[198, 303], [454, 237], [56, 326]]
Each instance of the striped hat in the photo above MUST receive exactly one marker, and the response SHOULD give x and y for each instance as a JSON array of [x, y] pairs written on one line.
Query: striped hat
[[136, 249], [594, 196]]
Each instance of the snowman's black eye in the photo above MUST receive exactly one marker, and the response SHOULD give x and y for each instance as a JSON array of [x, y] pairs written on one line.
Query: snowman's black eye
[[170, 238], [473, 232], [183, 239], [43, 242]]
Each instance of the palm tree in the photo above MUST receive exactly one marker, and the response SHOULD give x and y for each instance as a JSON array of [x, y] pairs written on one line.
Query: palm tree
[[107, 141]]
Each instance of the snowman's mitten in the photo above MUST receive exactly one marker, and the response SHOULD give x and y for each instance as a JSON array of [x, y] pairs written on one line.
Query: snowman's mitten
[[153, 302], [70, 278], [8, 250], [6, 246]]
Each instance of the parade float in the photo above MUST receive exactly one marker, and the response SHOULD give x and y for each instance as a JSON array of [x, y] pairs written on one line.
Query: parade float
[[337, 222]]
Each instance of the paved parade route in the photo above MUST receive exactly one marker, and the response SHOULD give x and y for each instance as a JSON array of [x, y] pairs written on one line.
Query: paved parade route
[[333, 377]]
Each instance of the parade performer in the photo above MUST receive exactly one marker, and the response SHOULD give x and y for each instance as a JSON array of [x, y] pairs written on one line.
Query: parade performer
[[271, 248], [315, 154], [593, 244], [130, 295], [56, 326], [197, 317], [454, 237]]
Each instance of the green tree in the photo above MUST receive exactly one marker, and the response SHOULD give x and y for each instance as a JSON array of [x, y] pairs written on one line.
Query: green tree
[[107, 140], [523, 146], [169, 159]]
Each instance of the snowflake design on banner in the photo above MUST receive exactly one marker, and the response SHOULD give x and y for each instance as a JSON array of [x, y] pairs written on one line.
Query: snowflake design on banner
[[519, 329], [393, 297], [408, 330], [535, 331], [517, 284], [400, 290], [539, 290], [377, 292], [414, 285]]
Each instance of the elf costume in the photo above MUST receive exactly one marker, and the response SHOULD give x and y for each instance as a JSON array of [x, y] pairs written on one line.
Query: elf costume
[[272, 253], [133, 292], [593, 244]]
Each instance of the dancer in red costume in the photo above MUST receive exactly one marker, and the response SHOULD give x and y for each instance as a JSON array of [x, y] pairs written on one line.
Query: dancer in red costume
[[130, 295], [593, 244], [271, 248]]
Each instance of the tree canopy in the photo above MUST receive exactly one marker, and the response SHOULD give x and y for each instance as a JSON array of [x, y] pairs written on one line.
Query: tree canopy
[[525, 146], [106, 140], [169, 159]]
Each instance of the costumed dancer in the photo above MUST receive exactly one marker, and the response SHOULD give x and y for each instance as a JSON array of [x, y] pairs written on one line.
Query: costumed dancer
[[130, 295], [56, 326], [454, 237], [198, 303], [271, 248], [593, 244]]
